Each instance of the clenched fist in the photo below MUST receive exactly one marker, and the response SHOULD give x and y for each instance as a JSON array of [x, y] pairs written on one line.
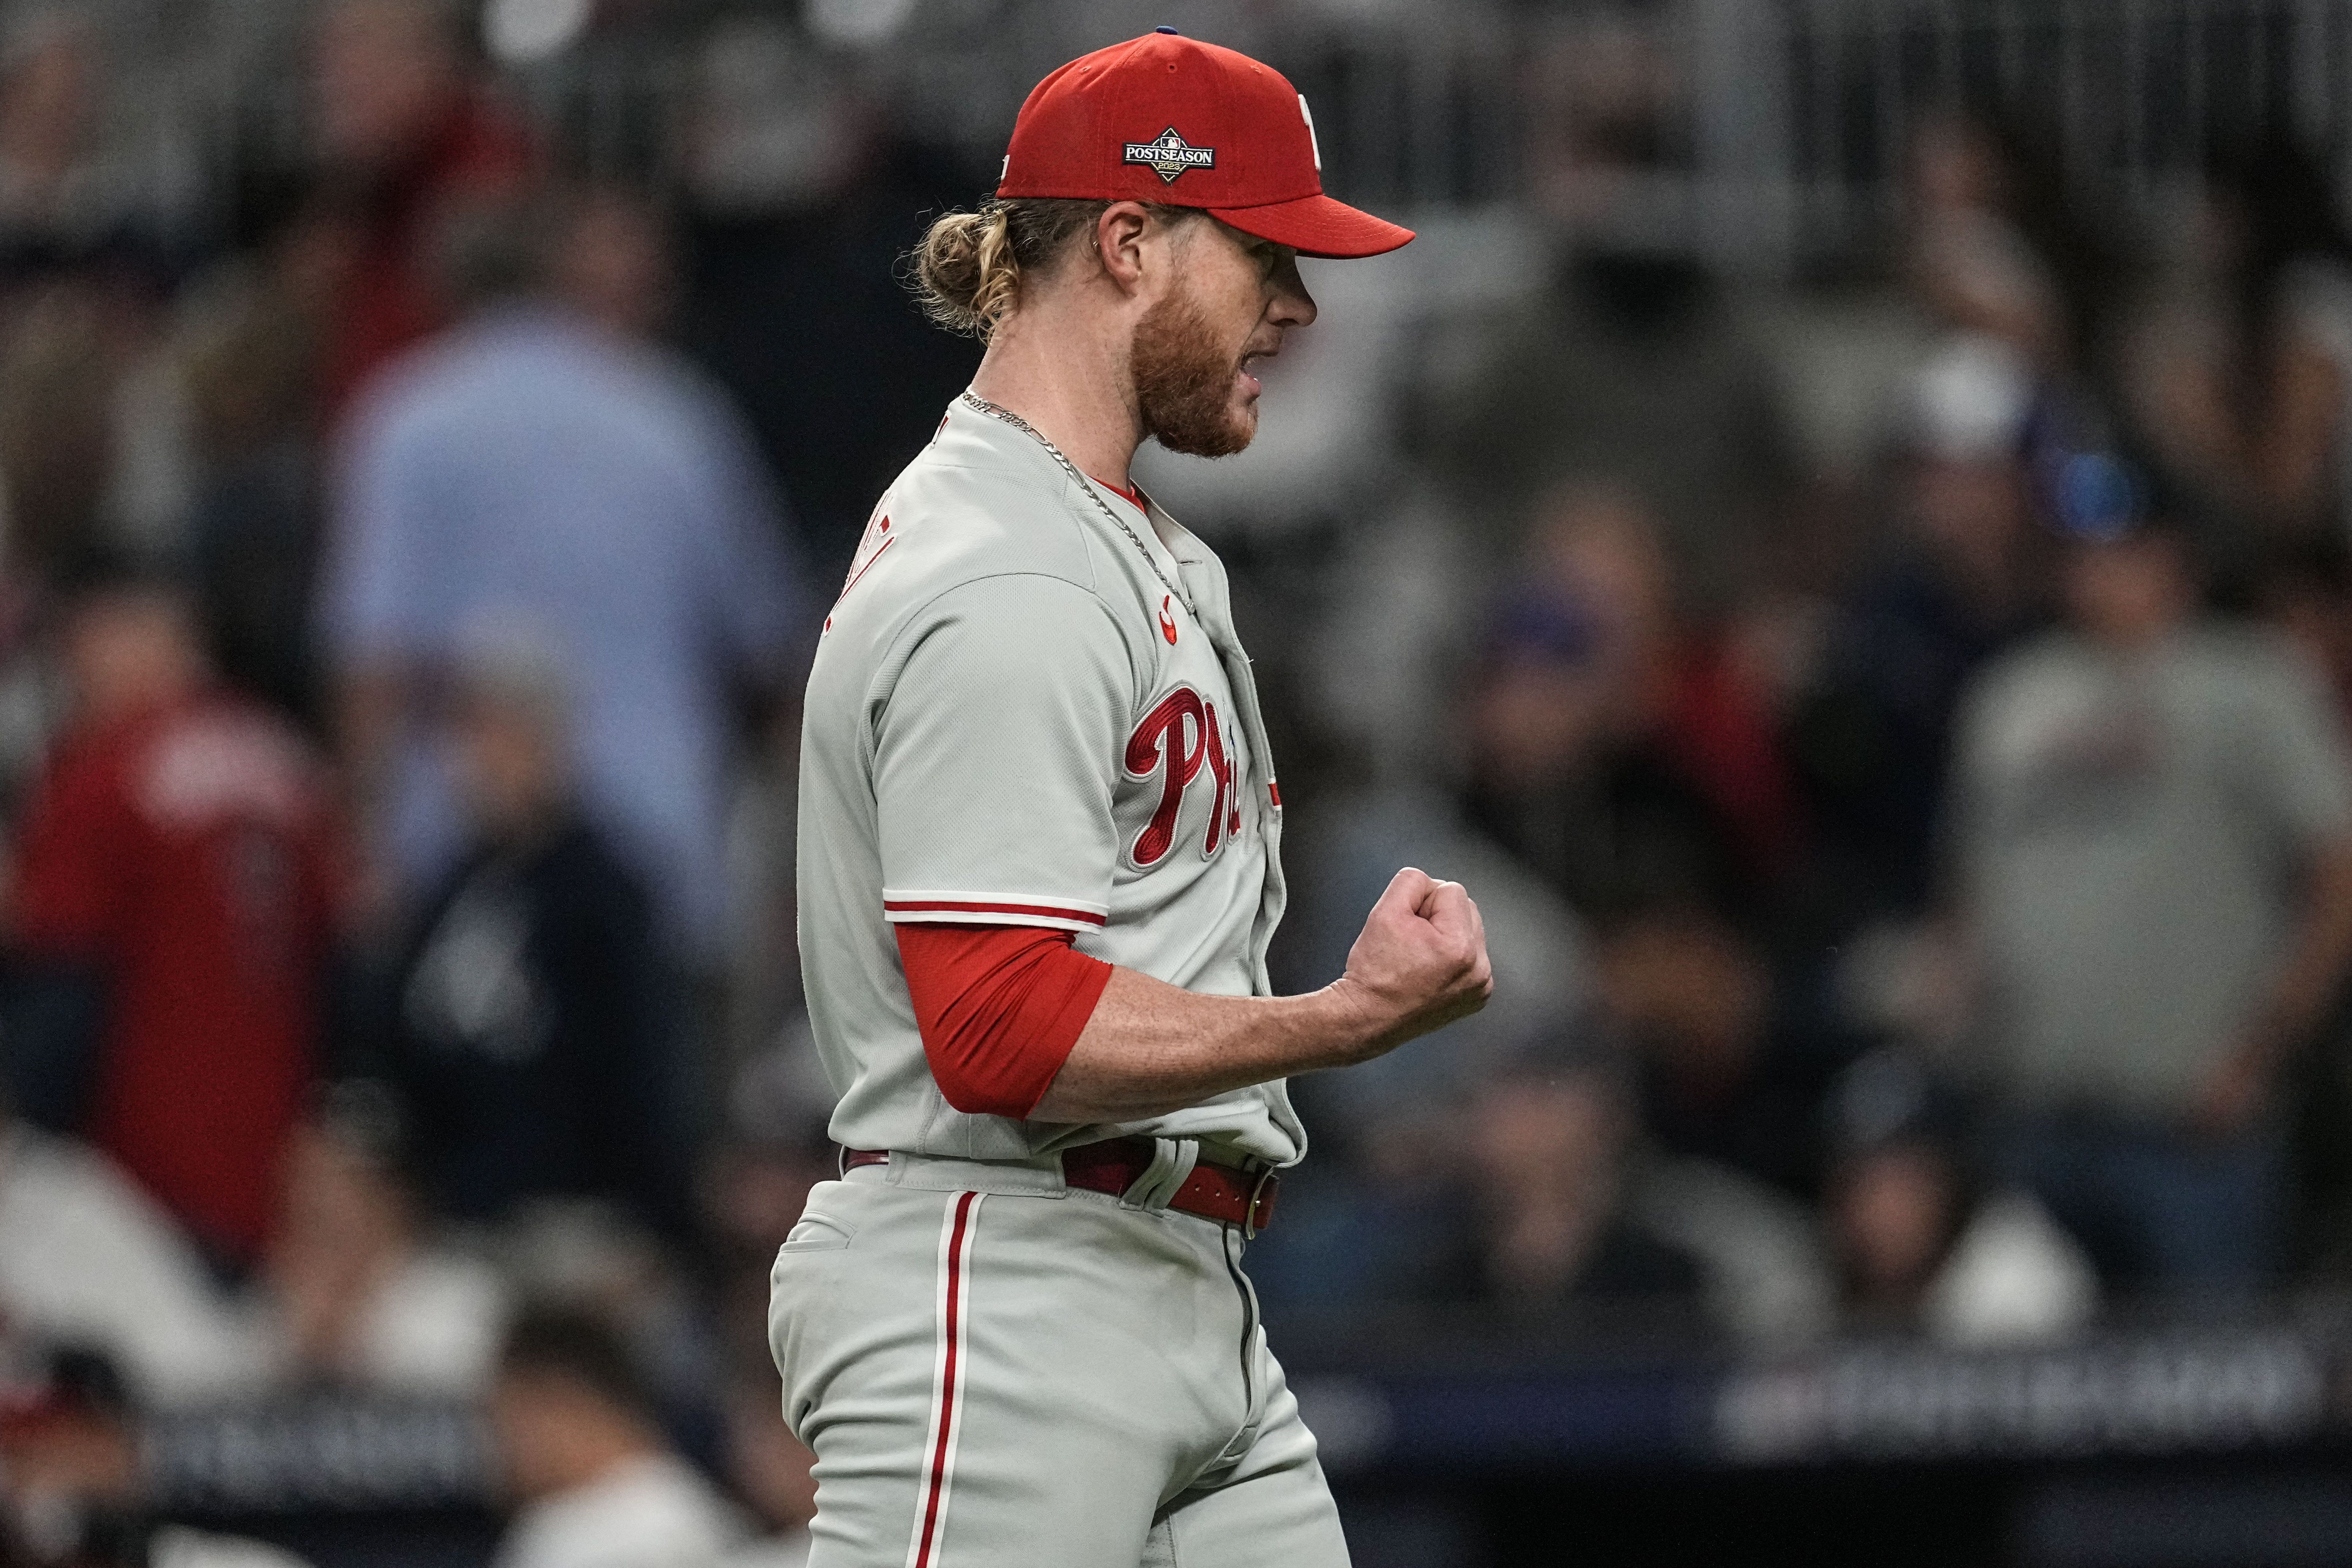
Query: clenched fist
[[1420, 963]]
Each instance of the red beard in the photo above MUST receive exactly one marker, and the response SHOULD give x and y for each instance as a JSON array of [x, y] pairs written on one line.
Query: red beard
[[1184, 382]]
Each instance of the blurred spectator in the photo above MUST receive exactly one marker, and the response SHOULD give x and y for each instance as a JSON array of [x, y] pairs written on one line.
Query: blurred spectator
[[91, 241], [1630, 365], [249, 357], [360, 1296], [2154, 824], [68, 204], [753, 1188], [537, 474], [1571, 1212], [587, 1255], [2241, 376], [2307, 596], [537, 1024], [405, 128], [1722, 1079], [2290, 286], [86, 1258], [1615, 755], [772, 1470], [1923, 1242], [584, 1458], [1631, 368], [808, 196], [1984, 216], [65, 357], [69, 1471], [171, 917], [1607, 97], [52, 201], [1767, 1282], [614, 265], [1381, 1128], [1546, 1202], [1961, 579]]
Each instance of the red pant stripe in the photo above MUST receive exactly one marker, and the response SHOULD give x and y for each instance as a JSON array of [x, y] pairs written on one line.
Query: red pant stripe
[[956, 1238]]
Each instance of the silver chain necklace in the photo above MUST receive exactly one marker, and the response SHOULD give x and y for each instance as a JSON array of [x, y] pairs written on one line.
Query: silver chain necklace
[[997, 411]]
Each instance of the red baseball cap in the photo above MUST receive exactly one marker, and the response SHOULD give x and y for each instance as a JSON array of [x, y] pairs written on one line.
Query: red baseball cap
[[1171, 120]]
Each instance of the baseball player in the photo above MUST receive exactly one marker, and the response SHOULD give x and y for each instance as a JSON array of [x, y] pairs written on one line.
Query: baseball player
[[1039, 868]]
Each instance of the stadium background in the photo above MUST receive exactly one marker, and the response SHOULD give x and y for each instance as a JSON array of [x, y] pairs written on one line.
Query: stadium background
[[1628, 547]]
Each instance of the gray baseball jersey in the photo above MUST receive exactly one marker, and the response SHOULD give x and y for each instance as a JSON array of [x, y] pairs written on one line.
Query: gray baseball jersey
[[1014, 719], [1029, 709]]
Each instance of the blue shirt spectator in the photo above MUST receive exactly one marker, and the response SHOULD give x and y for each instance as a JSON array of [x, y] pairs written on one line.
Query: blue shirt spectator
[[535, 476]]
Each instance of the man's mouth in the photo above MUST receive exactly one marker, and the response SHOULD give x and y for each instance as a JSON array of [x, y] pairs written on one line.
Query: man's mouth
[[1251, 385]]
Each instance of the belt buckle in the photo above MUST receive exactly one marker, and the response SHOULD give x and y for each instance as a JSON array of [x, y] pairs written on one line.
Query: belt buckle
[[1257, 1195]]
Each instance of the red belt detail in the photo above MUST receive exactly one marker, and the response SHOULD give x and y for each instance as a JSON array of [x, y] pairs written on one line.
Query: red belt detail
[[1212, 1191]]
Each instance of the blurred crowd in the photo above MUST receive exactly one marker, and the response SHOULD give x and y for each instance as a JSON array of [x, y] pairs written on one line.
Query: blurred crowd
[[1934, 880], [401, 657], [1921, 890]]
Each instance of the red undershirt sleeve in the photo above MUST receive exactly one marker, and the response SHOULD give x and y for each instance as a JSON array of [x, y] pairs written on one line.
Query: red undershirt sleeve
[[1000, 1007]]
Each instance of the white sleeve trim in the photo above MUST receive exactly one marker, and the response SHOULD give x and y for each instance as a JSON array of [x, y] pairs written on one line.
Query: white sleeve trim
[[1053, 910]]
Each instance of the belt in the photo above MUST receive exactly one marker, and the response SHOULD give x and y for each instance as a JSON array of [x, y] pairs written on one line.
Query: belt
[[1212, 1191]]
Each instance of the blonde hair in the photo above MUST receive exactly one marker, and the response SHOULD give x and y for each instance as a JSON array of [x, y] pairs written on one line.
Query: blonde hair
[[968, 268]]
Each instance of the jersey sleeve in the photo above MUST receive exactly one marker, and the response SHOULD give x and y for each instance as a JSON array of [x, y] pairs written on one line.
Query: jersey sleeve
[[999, 1008], [996, 753]]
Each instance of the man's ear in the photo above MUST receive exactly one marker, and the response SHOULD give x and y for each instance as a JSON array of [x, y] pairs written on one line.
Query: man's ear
[[1119, 235]]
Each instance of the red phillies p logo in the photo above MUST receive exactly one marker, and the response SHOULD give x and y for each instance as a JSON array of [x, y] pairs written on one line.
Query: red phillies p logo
[[1173, 741]]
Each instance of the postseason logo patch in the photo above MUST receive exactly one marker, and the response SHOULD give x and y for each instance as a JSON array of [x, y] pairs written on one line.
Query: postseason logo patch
[[1171, 156]]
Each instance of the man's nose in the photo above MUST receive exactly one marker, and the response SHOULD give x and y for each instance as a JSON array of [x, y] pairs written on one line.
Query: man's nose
[[1292, 305]]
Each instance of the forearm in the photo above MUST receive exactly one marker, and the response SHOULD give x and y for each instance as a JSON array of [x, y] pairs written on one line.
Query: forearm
[[1148, 1048], [1151, 1047]]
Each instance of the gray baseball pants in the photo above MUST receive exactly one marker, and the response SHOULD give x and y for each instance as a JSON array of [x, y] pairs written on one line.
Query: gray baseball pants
[[998, 1372]]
